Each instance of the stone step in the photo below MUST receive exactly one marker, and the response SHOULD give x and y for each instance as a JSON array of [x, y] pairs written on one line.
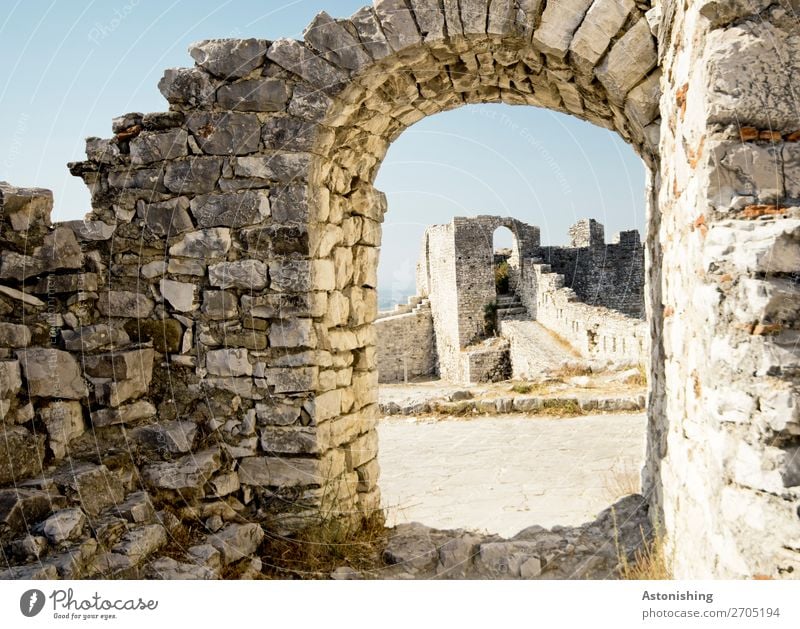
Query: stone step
[[510, 312]]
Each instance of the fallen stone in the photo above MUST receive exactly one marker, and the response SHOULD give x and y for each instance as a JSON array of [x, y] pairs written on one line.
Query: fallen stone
[[63, 526], [168, 569], [237, 541]]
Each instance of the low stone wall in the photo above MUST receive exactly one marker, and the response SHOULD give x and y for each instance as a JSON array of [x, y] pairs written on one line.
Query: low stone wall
[[406, 345], [596, 332], [487, 362]]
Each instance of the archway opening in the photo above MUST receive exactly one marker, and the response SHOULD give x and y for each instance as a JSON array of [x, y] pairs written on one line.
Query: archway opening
[[482, 256]]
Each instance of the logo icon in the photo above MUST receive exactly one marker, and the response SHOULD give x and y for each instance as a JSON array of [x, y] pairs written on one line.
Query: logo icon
[[31, 603]]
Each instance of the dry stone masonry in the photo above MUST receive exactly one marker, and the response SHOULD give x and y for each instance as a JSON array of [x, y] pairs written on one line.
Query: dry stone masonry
[[591, 294], [196, 360]]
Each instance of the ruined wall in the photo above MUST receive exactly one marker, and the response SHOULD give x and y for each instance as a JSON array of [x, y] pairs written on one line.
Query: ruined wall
[[406, 345], [725, 461], [235, 241], [609, 275], [594, 331]]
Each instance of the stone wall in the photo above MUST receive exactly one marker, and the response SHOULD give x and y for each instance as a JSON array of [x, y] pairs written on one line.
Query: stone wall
[[406, 347], [594, 331], [223, 369], [608, 275]]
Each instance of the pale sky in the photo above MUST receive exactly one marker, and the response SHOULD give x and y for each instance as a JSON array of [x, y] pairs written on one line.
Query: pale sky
[[70, 66]]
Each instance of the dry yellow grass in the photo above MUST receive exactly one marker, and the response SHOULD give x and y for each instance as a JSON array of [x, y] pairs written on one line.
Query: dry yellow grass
[[649, 563], [622, 480], [639, 379]]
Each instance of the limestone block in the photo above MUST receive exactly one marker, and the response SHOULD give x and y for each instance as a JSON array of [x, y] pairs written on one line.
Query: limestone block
[[335, 43], [229, 362], [370, 33], [254, 95], [204, 243], [26, 208], [187, 474], [295, 57], [52, 373], [397, 23], [10, 379], [630, 60], [642, 104], [194, 175], [244, 274], [187, 86], [430, 19], [228, 133], [180, 295], [291, 472], [64, 525], [748, 247], [91, 230], [22, 455], [149, 147], [559, 21], [365, 267], [219, 305], [166, 219], [94, 485], [64, 422], [293, 333], [175, 437], [289, 440], [116, 303], [237, 541], [231, 209], [126, 414], [281, 167], [362, 450], [751, 70], [229, 58], [744, 170], [502, 17], [603, 21]]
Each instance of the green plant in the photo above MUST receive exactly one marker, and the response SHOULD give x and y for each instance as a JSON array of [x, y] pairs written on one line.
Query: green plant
[[501, 277], [490, 319]]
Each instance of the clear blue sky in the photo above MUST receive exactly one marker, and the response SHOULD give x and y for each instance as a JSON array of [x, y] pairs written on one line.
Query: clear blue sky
[[70, 66]]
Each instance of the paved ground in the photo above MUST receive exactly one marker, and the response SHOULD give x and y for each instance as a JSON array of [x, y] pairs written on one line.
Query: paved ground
[[501, 474]]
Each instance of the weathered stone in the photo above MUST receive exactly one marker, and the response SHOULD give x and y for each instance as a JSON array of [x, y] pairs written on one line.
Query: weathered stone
[[186, 475], [141, 542], [93, 485], [175, 437], [254, 95], [168, 569], [559, 22], [225, 133], [308, 103], [29, 548], [335, 43], [26, 299], [64, 422], [26, 208], [229, 362], [180, 295], [370, 33], [293, 333], [123, 415], [91, 230], [411, 547], [281, 167], [10, 379], [244, 274], [219, 305], [51, 373], [167, 219], [121, 303], [603, 21], [93, 337], [286, 472], [204, 243], [296, 58], [629, 61], [149, 147], [21, 506], [642, 103], [231, 209], [165, 334], [187, 86], [194, 175], [237, 541], [64, 525], [229, 58], [291, 440]]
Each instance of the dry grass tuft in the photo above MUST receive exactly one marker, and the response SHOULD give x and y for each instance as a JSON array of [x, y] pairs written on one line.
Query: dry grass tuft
[[321, 548], [559, 407], [623, 479], [571, 371], [639, 379], [649, 563]]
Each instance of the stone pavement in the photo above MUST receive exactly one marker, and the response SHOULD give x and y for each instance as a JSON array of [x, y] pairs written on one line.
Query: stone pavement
[[505, 473]]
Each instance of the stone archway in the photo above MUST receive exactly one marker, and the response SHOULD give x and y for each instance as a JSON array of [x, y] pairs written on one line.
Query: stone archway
[[213, 313]]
